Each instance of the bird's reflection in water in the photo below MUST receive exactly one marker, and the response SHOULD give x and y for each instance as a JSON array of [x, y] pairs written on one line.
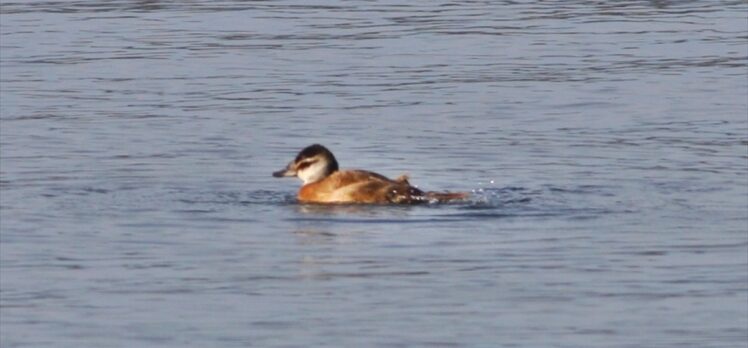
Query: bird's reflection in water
[[324, 250], [348, 211], [319, 236], [333, 235]]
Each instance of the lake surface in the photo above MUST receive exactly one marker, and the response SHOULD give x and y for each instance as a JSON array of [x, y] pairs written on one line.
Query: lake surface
[[605, 143]]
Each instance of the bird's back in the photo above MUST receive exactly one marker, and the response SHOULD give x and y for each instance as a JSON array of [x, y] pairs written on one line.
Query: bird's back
[[360, 186]]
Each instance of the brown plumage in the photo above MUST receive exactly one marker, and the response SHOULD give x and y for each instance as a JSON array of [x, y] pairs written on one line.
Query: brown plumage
[[324, 183]]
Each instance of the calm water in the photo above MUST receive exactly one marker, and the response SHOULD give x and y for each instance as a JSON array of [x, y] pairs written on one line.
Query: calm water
[[606, 144]]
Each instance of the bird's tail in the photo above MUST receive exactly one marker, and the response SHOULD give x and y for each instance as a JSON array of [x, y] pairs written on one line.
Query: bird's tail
[[443, 197]]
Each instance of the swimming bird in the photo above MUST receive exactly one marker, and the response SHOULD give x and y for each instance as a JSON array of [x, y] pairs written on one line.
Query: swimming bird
[[324, 182]]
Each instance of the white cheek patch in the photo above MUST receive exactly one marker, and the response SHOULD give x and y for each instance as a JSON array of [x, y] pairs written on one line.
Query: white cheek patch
[[312, 173]]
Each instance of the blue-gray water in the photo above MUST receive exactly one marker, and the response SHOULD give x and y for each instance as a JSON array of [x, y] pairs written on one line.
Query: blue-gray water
[[606, 143]]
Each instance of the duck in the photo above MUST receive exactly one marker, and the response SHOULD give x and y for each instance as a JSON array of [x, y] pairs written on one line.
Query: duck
[[324, 182]]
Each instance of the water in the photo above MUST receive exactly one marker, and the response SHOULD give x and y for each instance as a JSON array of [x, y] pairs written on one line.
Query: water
[[606, 144]]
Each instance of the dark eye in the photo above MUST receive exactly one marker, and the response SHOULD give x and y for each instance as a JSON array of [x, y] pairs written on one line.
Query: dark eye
[[303, 165]]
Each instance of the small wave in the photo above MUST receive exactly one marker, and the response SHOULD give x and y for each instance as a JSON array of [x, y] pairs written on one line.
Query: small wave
[[501, 197], [573, 202], [264, 197]]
